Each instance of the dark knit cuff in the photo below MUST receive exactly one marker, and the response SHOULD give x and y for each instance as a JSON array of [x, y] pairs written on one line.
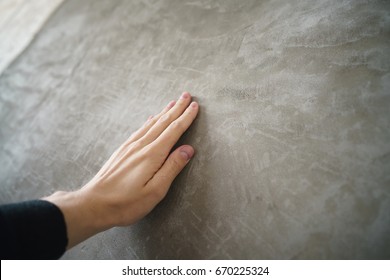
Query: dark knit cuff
[[32, 230]]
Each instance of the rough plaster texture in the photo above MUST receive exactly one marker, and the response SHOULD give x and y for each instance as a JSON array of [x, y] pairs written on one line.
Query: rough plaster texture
[[293, 137], [20, 20]]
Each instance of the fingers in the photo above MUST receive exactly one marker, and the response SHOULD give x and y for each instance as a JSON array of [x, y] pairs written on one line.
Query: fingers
[[167, 118], [118, 154], [175, 130], [149, 123], [170, 118], [162, 180]]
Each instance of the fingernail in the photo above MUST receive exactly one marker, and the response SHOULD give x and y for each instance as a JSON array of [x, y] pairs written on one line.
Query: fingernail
[[187, 152], [171, 104], [185, 95], [194, 105]]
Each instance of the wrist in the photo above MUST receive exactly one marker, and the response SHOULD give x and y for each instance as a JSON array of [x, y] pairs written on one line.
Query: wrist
[[83, 214]]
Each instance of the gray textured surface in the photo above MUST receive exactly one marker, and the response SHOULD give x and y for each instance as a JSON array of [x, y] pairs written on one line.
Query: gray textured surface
[[20, 20], [293, 137]]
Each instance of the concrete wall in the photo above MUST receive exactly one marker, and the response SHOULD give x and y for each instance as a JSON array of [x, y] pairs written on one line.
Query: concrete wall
[[293, 137], [20, 20]]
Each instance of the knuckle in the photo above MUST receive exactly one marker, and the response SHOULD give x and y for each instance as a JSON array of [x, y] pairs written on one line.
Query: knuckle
[[139, 144], [145, 153], [148, 150], [122, 148], [165, 118], [158, 192], [154, 119], [132, 136], [133, 147], [177, 125], [156, 151], [130, 139], [152, 155], [147, 123]]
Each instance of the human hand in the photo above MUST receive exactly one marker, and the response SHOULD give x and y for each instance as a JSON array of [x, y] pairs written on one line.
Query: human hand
[[135, 178]]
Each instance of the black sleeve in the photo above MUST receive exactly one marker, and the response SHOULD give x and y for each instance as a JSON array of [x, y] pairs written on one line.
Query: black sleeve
[[32, 230]]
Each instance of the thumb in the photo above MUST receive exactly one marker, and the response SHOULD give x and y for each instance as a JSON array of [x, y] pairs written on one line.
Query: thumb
[[174, 164]]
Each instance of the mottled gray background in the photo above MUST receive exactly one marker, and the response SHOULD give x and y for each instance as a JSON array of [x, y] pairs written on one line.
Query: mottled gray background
[[292, 140]]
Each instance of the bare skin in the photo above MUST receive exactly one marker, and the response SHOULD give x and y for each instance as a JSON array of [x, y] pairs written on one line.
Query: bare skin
[[135, 178]]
